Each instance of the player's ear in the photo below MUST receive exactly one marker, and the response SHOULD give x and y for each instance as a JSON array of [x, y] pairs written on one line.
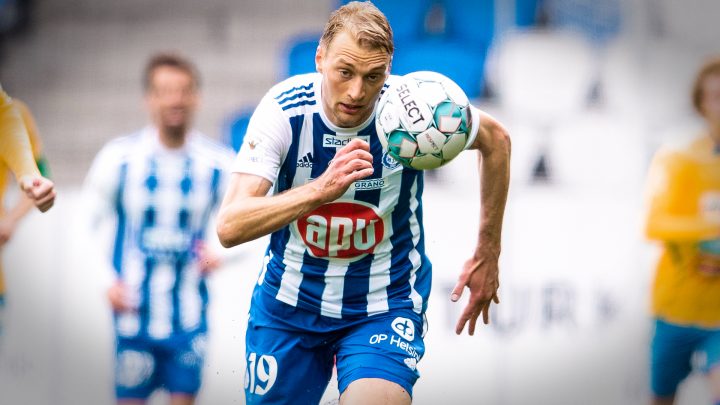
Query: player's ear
[[319, 54]]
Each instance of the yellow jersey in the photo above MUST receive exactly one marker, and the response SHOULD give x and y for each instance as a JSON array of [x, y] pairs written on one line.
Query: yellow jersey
[[684, 193], [35, 147], [15, 150]]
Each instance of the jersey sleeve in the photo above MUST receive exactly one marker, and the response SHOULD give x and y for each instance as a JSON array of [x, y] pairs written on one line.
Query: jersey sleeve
[[31, 127], [670, 217], [15, 149], [97, 214], [266, 142], [101, 185], [475, 125]]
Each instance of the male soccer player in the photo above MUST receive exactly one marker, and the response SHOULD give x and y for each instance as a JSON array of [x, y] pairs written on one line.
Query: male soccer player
[[16, 153], [161, 184], [345, 275], [684, 216], [10, 218]]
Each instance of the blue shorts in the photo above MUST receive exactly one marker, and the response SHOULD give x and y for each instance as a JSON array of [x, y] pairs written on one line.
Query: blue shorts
[[143, 365], [290, 352], [672, 350]]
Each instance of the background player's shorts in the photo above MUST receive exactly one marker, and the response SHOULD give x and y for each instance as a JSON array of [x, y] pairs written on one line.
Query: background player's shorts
[[673, 347], [143, 365], [286, 361]]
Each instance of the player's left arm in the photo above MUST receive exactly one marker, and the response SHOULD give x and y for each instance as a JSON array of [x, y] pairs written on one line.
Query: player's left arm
[[16, 152], [481, 273], [10, 221]]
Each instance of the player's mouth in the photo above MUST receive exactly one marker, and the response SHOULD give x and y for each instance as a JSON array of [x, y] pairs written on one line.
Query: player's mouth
[[350, 109]]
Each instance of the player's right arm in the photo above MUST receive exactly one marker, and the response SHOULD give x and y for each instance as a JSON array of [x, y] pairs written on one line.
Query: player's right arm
[[247, 213], [671, 218], [16, 152]]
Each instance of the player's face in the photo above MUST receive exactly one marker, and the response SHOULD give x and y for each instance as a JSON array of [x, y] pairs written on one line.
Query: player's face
[[172, 99], [352, 79], [711, 99]]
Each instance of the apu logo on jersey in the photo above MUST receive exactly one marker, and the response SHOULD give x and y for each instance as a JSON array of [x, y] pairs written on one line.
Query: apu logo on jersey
[[344, 230], [338, 141]]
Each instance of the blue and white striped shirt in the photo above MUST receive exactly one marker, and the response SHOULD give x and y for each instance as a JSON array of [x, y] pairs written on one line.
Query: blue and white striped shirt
[[360, 255], [162, 200]]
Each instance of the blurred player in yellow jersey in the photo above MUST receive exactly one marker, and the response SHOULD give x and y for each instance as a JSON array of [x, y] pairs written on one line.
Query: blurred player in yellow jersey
[[684, 186], [16, 153], [11, 216]]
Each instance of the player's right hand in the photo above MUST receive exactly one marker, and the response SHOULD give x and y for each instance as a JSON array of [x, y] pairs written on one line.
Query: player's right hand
[[352, 162], [40, 190]]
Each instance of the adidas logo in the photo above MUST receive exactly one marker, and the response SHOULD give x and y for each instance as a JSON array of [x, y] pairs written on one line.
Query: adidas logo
[[305, 161]]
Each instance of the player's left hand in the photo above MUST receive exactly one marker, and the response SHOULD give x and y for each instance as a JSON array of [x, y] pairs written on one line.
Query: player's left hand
[[40, 190], [207, 259], [480, 275]]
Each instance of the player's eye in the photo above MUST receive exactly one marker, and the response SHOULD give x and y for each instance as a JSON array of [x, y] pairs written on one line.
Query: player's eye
[[373, 77], [345, 73]]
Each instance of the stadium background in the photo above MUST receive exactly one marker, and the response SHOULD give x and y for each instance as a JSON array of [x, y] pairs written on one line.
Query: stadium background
[[588, 90]]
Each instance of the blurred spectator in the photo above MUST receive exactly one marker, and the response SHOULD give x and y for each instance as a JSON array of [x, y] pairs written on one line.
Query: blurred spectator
[[10, 218], [684, 187]]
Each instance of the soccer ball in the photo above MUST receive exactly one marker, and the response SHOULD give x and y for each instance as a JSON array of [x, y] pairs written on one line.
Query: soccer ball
[[423, 120]]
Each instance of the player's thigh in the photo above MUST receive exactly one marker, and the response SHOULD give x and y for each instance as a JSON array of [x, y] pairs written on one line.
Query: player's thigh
[[135, 369], [180, 368], [672, 348], [386, 347], [374, 391], [284, 365]]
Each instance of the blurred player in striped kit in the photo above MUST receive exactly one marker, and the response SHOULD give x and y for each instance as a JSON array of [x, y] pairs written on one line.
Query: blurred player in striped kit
[[684, 186], [160, 186], [346, 275], [10, 217]]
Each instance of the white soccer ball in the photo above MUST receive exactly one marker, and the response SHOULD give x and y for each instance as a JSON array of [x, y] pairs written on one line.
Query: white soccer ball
[[423, 120]]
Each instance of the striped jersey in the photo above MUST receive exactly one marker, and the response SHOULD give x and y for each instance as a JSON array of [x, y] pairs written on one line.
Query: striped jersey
[[359, 255], [161, 200]]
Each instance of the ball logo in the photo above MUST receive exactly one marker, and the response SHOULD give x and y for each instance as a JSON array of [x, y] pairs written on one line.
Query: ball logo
[[343, 230]]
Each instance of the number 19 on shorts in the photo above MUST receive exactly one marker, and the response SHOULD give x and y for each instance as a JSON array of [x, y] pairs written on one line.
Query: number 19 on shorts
[[260, 374]]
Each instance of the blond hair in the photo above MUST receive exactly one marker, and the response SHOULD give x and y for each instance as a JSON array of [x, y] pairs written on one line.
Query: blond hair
[[709, 68], [364, 22]]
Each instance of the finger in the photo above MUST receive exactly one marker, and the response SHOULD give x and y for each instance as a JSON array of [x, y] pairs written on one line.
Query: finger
[[458, 290], [46, 203], [354, 145], [460, 325], [360, 174], [496, 299], [473, 322], [358, 143], [358, 164], [464, 318], [486, 313]]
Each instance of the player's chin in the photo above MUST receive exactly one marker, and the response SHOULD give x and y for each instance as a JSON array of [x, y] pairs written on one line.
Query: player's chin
[[353, 119]]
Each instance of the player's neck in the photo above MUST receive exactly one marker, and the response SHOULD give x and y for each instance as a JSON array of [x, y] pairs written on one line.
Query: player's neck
[[172, 138]]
